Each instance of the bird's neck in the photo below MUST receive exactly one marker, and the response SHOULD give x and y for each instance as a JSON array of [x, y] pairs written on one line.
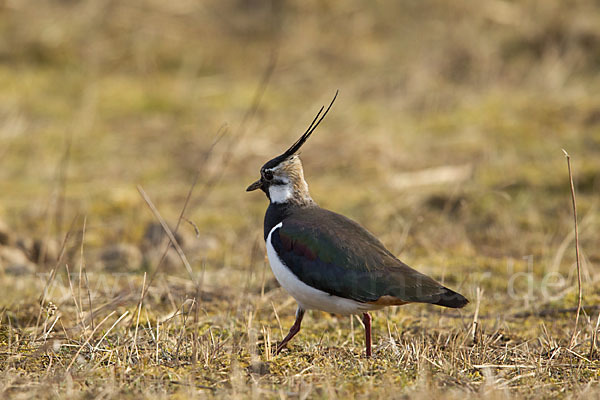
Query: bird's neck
[[293, 192], [277, 212]]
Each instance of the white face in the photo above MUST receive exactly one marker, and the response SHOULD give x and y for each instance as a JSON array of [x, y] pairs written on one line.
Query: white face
[[284, 182], [280, 191]]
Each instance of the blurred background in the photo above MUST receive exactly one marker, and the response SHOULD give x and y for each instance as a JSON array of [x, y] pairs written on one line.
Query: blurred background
[[445, 140]]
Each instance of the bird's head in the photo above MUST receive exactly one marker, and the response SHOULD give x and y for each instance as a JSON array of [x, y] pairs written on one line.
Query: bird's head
[[282, 178]]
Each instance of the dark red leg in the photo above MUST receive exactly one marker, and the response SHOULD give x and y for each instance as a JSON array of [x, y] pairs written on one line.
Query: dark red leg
[[293, 330], [367, 322]]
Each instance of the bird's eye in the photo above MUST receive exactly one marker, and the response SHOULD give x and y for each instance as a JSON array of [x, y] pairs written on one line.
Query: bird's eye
[[268, 175]]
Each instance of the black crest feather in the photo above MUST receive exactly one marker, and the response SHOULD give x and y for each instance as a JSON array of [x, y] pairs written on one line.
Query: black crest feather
[[298, 143]]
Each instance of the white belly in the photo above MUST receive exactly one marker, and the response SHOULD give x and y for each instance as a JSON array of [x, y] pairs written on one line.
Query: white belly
[[308, 297]]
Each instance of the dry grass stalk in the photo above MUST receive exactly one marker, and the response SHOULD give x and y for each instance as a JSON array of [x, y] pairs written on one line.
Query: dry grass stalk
[[169, 233], [580, 289], [183, 330], [83, 268], [78, 311], [475, 327], [42, 298], [157, 340], [137, 321], [87, 341], [594, 337], [278, 320], [220, 134], [96, 347]]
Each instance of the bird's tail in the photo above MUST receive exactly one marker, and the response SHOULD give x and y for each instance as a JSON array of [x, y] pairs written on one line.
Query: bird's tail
[[449, 298]]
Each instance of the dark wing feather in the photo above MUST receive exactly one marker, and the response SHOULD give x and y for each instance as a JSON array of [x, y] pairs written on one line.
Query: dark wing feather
[[336, 255]]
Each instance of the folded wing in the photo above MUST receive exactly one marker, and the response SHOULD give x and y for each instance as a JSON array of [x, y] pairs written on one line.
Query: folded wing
[[336, 255]]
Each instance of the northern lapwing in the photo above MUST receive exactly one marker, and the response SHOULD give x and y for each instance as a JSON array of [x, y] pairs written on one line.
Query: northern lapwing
[[328, 262]]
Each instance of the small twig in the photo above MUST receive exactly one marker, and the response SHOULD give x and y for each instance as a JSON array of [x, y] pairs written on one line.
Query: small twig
[[137, 321], [263, 279], [87, 341], [42, 298], [79, 281], [476, 316], [503, 366], [236, 139], [193, 224], [77, 309], [268, 345], [352, 329], [220, 134], [157, 339], [184, 317], [392, 341], [577, 355], [580, 297], [61, 181], [195, 329], [110, 329], [278, 320], [594, 337], [47, 333], [82, 266], [167, 230]]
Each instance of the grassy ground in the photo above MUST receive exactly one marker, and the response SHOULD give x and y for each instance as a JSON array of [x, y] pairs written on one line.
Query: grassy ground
[[445, 142]]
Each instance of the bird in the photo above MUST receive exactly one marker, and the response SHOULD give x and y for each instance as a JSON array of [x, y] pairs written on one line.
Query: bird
[[327, 261]]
